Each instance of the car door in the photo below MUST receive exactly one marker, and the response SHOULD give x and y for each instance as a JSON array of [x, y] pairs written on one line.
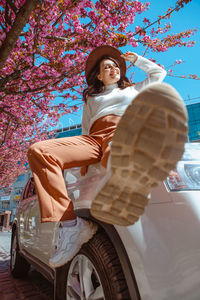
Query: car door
[[39, 236], [36, 237], [29, 217]]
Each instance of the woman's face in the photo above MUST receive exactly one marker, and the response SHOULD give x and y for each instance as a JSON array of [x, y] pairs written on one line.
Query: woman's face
[[109, 72]]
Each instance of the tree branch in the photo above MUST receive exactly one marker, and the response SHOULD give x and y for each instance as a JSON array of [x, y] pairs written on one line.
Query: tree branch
[[12, 6], [159, 19], [57, 21], [13, 76], [4, 29], [57, 38], [18, 25], [184, 76], [36, 35], [6, 132], [5, 135], [7, 15], [2, 109]]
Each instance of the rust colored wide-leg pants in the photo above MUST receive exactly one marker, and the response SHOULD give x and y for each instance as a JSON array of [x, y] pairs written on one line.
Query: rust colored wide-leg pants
[[49, 158]]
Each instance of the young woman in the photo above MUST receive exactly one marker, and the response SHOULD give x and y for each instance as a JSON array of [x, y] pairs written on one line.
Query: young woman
[[147, 137]]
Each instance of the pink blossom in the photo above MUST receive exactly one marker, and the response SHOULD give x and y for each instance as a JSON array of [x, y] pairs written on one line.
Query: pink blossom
[[44, 74]]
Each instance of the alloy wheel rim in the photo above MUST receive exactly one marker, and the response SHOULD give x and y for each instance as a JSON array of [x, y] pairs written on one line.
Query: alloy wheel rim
[[83, 281]]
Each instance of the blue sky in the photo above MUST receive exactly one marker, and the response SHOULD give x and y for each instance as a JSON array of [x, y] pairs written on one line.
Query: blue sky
[[186, 18]]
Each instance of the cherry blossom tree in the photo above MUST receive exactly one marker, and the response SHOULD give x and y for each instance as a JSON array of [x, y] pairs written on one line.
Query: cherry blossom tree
[[43, 49]]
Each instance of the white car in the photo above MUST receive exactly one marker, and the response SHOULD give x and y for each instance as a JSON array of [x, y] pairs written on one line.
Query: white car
[[156, 258]]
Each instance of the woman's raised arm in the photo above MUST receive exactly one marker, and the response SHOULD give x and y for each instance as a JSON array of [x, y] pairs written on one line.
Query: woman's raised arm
[[154, 72]]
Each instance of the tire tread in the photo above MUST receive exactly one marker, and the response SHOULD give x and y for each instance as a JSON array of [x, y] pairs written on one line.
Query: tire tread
[[21, 267], [101, 246]]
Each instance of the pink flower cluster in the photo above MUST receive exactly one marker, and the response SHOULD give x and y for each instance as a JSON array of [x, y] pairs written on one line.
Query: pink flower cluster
[[44, 74]]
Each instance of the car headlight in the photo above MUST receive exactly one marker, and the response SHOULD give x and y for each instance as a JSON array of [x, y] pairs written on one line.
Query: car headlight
[[187, 174], [185, 177], [193, 174]]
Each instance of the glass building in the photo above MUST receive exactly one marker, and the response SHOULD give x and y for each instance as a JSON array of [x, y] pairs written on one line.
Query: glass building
[[194, 121], [69, 131]]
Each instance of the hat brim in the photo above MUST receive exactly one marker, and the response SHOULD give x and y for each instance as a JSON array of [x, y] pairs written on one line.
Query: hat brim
[[99, 53]]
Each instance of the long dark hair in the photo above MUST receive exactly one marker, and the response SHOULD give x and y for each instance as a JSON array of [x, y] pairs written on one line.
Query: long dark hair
[[95, 86]]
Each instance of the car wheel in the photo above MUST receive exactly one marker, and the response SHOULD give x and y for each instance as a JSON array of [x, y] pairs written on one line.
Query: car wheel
[[19, 267], [95, 273]]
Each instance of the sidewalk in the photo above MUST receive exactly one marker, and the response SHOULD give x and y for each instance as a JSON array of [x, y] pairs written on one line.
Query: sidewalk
[[34, 287], [5, 241]]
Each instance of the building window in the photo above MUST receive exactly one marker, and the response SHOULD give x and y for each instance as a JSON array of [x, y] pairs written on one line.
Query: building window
[[5, 204], [20, 178]]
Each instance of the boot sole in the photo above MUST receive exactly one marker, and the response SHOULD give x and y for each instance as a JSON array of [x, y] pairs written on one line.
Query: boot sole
[[146, 146]]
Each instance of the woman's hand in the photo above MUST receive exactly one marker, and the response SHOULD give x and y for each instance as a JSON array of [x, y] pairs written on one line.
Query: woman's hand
[[130, 56]]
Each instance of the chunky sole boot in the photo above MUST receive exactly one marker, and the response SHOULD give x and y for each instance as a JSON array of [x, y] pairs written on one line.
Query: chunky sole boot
[[147, 144]]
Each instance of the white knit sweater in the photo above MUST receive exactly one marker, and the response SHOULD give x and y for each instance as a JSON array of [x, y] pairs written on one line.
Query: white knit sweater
[[114, 101]]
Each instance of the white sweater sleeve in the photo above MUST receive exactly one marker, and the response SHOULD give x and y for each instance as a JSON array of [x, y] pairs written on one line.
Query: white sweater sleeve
[[154, 72], [85, 119]]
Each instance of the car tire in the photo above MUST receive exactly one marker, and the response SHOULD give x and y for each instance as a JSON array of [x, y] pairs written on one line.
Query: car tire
[[96, 270], [19, 267]]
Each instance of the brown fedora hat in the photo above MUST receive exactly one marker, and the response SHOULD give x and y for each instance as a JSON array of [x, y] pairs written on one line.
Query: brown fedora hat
[[101, 51]]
